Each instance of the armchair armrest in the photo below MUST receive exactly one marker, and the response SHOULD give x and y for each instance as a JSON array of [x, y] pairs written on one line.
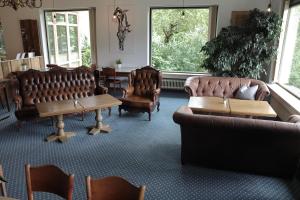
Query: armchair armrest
[[128, 91], [17, 98], [155, 94]]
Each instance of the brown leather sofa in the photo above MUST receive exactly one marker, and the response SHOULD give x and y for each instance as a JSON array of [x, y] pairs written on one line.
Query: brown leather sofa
[[222, 86], [33, 86], [142, 93], [250, 145]]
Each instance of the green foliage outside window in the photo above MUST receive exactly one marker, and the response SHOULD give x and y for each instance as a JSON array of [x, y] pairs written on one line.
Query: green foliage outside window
[[294, 78], [73, 30], [244, 51], [62, 40], [177, 40], [86, 52]]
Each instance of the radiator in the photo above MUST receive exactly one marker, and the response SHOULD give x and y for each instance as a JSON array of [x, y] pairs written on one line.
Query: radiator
[[171, 83]]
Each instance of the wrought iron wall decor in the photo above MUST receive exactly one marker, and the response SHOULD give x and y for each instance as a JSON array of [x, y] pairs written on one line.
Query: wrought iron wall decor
[[123, 26], [15, 4]]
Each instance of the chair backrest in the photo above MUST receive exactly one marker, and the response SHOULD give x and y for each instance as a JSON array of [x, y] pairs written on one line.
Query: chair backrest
[[145, 80], [2, 184], [109, 71], [50, 179], [113, 188]]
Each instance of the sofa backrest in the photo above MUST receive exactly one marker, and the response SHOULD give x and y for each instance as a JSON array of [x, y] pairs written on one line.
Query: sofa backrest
[[55, 85], [222, 86], [241, 144]]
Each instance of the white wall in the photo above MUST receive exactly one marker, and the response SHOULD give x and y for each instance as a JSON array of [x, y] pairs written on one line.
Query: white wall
[[136, 46]]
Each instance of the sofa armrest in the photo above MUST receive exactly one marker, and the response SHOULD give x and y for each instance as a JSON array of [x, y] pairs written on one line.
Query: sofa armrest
[[191, 85], [101, 90], [262, 92]]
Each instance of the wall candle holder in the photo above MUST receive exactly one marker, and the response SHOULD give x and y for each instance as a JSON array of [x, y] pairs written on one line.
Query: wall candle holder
[[123, 26]]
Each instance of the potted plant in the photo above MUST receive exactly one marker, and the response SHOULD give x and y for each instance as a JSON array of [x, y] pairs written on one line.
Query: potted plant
[[244, 51], [119, 63]]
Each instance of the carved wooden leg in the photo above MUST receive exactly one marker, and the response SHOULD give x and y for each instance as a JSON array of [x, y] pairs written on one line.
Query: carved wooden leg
[[99, 125], [120, 111], [149, 114], [158, 105], [61, 135]]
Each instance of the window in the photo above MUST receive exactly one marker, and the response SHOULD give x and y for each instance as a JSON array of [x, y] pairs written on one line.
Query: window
[[177, 37], [2, 46], [288, 74], [68, 38]]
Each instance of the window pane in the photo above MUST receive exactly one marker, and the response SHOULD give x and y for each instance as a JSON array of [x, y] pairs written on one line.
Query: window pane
[[177, 39], [62, 43], [60, 17], [49, 16], [72, 19], [289, 73]]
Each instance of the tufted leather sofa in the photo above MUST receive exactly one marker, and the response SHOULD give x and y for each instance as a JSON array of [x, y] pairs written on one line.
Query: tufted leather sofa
[[142, 94], [222, 86], [33, 86], [241, 144]]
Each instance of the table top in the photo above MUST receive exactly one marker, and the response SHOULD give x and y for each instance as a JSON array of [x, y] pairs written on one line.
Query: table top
[[233, 106], [208, 104], [251, 107], [55, 108], [7, 198]]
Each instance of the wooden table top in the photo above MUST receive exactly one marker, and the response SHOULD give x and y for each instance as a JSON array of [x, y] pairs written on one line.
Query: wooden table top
[[251, 107], [233, 106], [208, 104], [7, 198], [84, 104]]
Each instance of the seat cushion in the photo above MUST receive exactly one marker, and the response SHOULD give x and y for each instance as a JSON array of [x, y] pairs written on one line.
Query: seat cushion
[[137, 101]]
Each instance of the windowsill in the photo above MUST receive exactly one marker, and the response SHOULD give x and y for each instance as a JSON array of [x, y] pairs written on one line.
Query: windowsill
[[289, 101]]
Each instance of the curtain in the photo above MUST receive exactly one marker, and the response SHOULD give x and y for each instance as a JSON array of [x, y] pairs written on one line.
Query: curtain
[[213, 15], [92, 13]]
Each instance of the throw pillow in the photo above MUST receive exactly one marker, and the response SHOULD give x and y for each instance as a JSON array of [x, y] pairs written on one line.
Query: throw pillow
[[247, 93]]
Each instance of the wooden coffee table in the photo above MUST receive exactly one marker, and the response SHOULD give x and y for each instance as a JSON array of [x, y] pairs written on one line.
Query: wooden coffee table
[[87, 104], [231, 106]]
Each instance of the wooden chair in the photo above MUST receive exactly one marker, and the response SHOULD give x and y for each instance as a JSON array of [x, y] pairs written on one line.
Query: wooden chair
[[2, 184], [110, 77], [113, 188], [50, 179]]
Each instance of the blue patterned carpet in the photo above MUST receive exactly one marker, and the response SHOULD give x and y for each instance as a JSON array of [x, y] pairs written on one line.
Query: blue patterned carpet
[[143, 152]]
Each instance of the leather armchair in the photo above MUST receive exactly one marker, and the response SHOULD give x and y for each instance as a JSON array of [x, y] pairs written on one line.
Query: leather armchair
[[241, 144], [142, 94], [222, 86]]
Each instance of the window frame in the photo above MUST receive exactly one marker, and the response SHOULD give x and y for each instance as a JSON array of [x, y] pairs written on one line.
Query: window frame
[[67, 12], [281, 48], [212, 32]]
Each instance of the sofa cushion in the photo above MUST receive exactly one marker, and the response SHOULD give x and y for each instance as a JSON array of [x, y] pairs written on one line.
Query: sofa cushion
[[247, 93], [137, 101]]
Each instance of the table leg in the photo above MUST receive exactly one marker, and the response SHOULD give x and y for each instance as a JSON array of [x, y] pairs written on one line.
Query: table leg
[[99, 125], [61, 135], [6, 98]]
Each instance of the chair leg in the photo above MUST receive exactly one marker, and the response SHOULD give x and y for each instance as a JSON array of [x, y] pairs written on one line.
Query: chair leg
[[158, 105], [120, 111], [149, 114], [109, 111]]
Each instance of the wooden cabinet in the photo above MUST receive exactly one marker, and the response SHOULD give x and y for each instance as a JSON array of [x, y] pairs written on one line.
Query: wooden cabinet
[[30, 36]]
